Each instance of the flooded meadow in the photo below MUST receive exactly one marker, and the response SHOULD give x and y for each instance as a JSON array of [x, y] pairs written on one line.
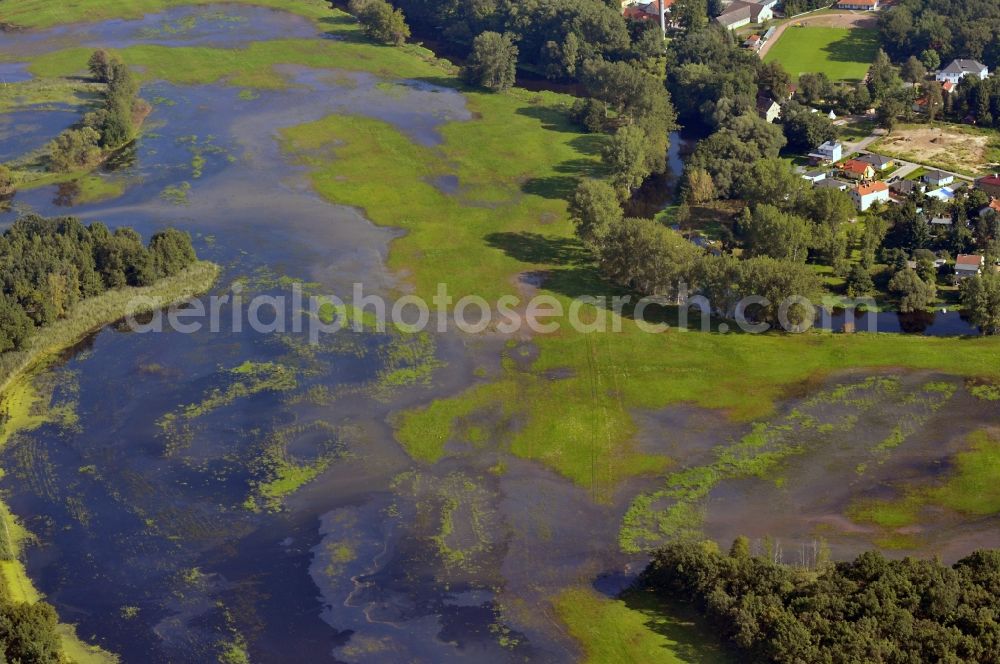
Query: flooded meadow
[[191, 494]]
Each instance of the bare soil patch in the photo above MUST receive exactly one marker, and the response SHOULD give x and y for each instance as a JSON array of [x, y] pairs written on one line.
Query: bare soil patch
[[950, 149]]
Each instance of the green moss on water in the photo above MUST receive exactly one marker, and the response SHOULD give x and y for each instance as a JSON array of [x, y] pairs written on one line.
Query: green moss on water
[[280, 473], [176, 194], [677, 510], [985, 391], [970, 488]]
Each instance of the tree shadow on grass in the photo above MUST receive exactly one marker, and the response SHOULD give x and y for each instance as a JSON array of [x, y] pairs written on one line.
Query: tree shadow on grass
[[589, 144], [552, 119], [574, 274], [855, 46], [562, 186], [559, 187], [535, 248], [692, 639]]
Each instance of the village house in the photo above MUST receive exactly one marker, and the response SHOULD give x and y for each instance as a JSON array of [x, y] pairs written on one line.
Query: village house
[[989, 184], [858, 170], [647, 11], [753, 42], [767, 108], [814, 176], [968, 265], [741, 13], [866, 195], [878, 162], [831, 183], [904, 188], [959, 69], [938, 178], [859, 5], [831, 151]]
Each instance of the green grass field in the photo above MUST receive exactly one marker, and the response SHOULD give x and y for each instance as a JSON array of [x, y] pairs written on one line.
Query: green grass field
[[638, 629], [840, 53]]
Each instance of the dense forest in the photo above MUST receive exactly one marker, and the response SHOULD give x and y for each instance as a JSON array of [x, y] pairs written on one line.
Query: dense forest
[[554, 37], [868, 610], [936, 31], [48, 265]]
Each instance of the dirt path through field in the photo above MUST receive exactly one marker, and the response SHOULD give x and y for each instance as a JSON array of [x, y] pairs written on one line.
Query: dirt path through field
[[840, 20]]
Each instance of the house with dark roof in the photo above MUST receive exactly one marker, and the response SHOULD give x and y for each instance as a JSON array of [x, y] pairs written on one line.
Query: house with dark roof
[[878, 162], [937, 178], [831, 183], [767, 108], [903, 188], [959, 69], [741, 13]]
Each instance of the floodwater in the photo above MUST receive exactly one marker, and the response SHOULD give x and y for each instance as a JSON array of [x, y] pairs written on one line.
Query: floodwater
[[24, 131], [140, 502]]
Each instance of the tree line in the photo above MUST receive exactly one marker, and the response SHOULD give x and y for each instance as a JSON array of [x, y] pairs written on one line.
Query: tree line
[[109, 127], [645, 256], [867, 610], [47, 265]]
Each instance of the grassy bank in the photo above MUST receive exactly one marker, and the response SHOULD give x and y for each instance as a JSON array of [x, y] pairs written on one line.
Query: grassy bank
[[19, 411]]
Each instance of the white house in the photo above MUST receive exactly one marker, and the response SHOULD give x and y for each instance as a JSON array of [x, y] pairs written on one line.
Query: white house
[[829, 151], [814, 176], [938, 178], [866, 195], [959, 69], [767, 108], [968, 265], [741, 13]]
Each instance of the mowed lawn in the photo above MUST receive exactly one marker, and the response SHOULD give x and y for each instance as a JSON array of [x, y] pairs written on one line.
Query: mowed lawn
[[840, 53]]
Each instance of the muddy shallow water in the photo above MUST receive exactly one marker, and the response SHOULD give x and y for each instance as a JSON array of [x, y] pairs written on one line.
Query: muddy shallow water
[[139, 501]]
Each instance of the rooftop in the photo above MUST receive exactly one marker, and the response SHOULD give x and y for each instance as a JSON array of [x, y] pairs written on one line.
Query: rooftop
[[855, 166], [969, 260], [960, 66], [869, 189]]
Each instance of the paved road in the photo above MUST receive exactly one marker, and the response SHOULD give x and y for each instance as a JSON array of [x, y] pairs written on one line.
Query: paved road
[[862, 145]]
